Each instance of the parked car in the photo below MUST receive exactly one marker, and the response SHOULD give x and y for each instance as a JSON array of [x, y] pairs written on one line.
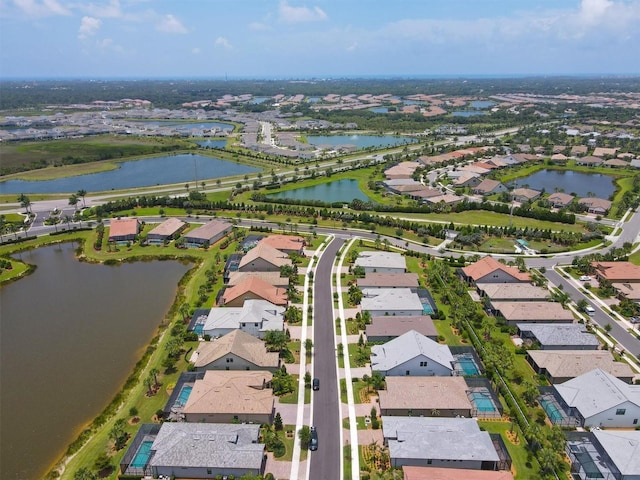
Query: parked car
[[634, 319], [313, 443], [316, 384], [585, 278]]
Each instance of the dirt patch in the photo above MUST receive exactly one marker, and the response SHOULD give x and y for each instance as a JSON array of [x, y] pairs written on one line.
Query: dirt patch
[[513, 437], [134, 420]]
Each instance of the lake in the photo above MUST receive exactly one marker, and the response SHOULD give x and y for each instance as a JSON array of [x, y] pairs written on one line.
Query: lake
[[136, 173], [258, 100], [360, 141], [212, 143], [337, 191], [569, 181], [379, 109], [468, 113], [480, 104], [71, 334]]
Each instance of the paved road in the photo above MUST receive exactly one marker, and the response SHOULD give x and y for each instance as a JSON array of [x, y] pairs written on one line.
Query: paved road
[[618, 331], [325, 462]]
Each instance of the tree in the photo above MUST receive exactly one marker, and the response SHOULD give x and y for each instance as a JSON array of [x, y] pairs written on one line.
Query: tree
[[73, 201], [118, 434], [84, 474], [276, 340], [154, 373], [184, 311], [277, 422], [304, 434], [25, 202], [67, 219], [148, 382], [82, 193]]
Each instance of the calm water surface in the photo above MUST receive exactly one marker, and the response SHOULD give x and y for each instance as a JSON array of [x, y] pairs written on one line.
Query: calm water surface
[[469, 113], [569, 181], [360, 141], [71, 334], [212, 143], [133, 174], [337, 191]]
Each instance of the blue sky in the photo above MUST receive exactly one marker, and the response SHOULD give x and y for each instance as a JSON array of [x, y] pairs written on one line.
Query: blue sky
[[300, 38]]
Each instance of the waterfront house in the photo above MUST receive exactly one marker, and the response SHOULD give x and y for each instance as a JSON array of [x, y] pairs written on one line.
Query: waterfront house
[[590, 161], [255, 317], [123, 229], [489, 187], [525, 195], [560, 199], [412, 354], [263, 258], [235, 351], [167, 230], [253, 288], [208, 234], [597, 206], [272, 278]]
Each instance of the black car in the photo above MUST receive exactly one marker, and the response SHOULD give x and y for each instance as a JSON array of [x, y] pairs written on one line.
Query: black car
[[313, 443], [316, 384]]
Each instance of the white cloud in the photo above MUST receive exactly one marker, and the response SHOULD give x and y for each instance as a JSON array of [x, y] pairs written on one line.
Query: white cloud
[[88, 26], [170, 24], [291, 14], [223, 43], [259, 26], [107, 44], [109, 10], [41, 8], [195, 51]]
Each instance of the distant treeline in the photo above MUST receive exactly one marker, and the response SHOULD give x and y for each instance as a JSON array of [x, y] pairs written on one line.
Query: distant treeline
[[172, 93]]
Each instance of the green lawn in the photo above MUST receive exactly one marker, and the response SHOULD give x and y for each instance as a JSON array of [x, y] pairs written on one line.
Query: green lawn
[[518, 452]]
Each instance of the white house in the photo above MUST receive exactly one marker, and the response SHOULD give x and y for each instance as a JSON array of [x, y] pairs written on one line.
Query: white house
[[412, 354], [255, 317], [391, 301], [381, 262], [601, 400]]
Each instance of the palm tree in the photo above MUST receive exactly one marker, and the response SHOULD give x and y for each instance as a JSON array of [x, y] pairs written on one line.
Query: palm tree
[[154, 373], [73, 201], [67, 220], [3, 224], [25, 202], [184, 310], [82, 193], [148, 382]]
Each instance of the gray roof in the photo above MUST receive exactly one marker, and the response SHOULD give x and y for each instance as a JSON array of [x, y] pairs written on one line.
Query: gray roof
[[209, 230], [268, 315], [169, 227], [623, 447], [388, 326], [597, 391], [218, 445], [513, 291], [381, 260], [564, 334], [389, 299], [406, 347], [437, 438]]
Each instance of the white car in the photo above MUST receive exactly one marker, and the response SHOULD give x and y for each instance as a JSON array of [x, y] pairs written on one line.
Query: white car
[[585, 278]]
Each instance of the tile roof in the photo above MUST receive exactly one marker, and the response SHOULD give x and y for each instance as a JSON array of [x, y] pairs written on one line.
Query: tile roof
[[573, 363], [487, 185], [272, 278], [120, 227], [395, 280], [283, 242], [259, 288], [424, 393], [267, 253], [231, 392], [238, 343], [387, 326], [488, 264], [618, 271], [169, 227], [513, 291], [436, 473], [533, 311], [209, 230]]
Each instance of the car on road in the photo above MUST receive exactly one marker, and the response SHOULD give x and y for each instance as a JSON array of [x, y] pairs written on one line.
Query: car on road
[[585, 278], [590, 310], [316, 384], [313, 443]]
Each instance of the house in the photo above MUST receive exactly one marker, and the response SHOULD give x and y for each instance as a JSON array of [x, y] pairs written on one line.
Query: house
[[531, 312], [489, 270], [599, 399], [475, 169], [589, 161], [391, 301], [167, 230], [425, 193], [525, 195], [447, 198], [512, 292], [560, 199], [617, 272], [635, 163], [604, 152], [208, 234], [123, 229], [255, 317], [430, 473], [263, 258], [253, 288], [412, 354], [235, 351], [617, 453], [579, 150], [403, 185], [564, 336], [488, 187], [425, 397], [272, 278], [194, 450], [559, 366], [597, 206], [630, 291], [467, 179], [615, 163], [381, 262], [383, 329], [231, 397], [285, 243], [559, 158], [402, 170], [439, 442], [389, 280]]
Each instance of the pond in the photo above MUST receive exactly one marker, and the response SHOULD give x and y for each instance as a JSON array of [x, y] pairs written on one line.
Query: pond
[[480, 104], [337, 191], [257, 100], [379, 109], [212, 143], [569, 181], [139, 173], [360, 141], [71, 334], [468, 113]]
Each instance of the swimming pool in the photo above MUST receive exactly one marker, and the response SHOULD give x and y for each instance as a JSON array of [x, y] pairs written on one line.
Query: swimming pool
[[181, 401], [553, 411], [142, 455], [427, 308], [198, 328], [483, 401], [468, 365]]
